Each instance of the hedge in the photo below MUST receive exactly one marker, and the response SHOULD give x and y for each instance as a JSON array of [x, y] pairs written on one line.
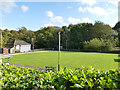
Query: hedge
[[86, 77]]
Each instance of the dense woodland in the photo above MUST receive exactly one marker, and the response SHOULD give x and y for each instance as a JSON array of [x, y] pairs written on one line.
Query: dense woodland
[[82, 36]]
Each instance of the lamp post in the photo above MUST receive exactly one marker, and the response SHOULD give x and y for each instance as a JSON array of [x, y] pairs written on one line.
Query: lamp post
[[66, 44], [59, 53], [119, 52], [32, 43], [1, 39]]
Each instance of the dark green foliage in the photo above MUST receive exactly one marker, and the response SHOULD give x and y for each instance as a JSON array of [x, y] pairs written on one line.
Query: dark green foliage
[[97, 45], [80, 33], [22, 34], [72, 37], [47, 37], [117, 26], [101, 30], [27, 78]]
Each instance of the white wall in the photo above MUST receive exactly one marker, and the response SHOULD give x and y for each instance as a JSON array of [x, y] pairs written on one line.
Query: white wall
[[0, 60], [17, 46], [25, 48]]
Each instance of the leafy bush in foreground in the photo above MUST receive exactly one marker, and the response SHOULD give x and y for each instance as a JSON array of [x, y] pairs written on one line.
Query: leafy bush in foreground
[[27, 78]]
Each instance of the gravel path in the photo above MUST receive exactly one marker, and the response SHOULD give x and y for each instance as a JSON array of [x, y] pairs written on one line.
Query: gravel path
[[20, 65], [28, 52]]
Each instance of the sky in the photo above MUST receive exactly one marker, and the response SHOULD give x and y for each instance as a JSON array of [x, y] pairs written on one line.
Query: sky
[[38, 14]]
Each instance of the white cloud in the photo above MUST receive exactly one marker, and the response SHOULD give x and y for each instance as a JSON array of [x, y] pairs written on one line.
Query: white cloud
[[97, 10], [77, 20], [74, 20], [50, 14], [24, 8], [69, 7], [88, 2], [112, 11], [114, 22], [46, 25], [114, 2], [3, 28], [56, 20], [87, 20], [81, 9], [6, 5]]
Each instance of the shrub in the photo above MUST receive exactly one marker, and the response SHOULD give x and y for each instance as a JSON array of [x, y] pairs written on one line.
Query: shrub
[[97, 45], [27, 78]]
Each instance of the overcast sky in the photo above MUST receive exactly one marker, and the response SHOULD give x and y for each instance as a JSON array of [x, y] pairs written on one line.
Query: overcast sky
[[34, 15]]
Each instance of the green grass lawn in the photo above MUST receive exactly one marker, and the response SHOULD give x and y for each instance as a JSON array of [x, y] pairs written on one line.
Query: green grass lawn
[[68, 59]]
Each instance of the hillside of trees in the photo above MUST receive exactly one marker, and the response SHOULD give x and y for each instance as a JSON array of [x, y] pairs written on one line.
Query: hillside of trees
[[117, 26], [82, 36]]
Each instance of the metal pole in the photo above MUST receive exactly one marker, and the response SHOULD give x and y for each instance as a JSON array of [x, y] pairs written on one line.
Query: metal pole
[[33, 46], [1, 39], [33, 43], [66, 44], [119, 51], [59, 54]]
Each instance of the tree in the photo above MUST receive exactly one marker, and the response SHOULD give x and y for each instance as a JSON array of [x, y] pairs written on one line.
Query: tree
[[47, 37], [117, 26], [72, 37], [101, 30], [79, 33]]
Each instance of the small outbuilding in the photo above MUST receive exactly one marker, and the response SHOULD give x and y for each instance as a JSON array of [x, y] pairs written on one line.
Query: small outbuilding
[[4, 50], [18, 46]]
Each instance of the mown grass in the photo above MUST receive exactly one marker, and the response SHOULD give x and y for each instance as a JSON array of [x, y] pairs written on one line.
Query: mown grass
[[72, 60]]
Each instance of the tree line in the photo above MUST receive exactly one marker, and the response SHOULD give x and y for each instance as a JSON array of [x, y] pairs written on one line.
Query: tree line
[[82, 36]]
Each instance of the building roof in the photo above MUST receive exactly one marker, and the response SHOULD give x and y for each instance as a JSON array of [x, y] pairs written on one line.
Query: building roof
[[20, 42], [16, 42]]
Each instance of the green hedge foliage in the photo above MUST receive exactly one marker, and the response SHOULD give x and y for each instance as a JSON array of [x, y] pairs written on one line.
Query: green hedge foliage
[[26, 78]]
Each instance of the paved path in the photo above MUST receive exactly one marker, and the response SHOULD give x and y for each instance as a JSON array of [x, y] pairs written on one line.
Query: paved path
[[20, 65], [28, 52]]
